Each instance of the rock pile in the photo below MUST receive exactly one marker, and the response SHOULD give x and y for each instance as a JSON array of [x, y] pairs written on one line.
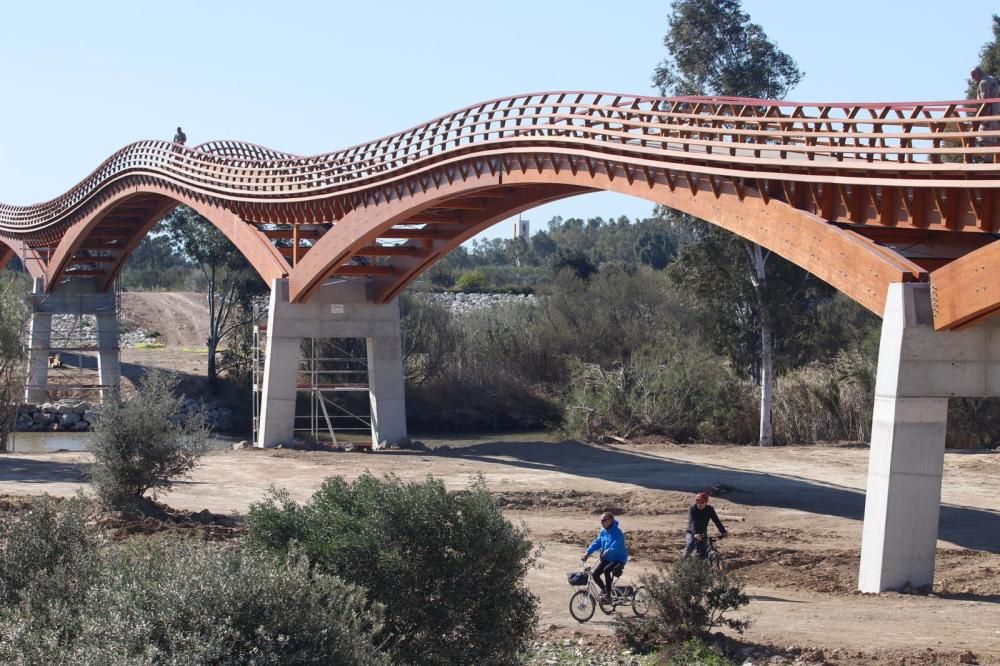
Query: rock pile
[[217, 416], [464, 303], [75, 416], [81, 331], [62, 416]]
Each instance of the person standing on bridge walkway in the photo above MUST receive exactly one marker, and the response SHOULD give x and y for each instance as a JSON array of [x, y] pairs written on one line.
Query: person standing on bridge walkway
[[180, 137], [987, 87]]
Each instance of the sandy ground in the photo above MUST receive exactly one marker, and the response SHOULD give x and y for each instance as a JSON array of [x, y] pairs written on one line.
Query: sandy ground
[[180, 317], [794, 514]]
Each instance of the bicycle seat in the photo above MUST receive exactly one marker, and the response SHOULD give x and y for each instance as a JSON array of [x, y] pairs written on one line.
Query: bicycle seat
[[616, 571]]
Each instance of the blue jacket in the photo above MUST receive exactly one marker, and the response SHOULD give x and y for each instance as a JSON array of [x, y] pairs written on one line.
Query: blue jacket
[[611, 543]]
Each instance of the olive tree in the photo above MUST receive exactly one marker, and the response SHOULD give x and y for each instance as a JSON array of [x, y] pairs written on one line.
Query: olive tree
[[144, 443], [13, 320]]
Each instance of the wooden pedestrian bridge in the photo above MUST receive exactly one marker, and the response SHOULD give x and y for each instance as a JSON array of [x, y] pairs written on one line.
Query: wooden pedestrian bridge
[[894, 204], [860, 195]]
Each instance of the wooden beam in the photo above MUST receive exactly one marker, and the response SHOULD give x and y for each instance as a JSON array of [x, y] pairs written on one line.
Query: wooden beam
[[364, 270], [410, 233], [966, 289], [390, 251]]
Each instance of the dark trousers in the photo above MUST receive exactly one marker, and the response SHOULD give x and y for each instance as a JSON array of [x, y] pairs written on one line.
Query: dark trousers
[[690, 545], [607, 569]]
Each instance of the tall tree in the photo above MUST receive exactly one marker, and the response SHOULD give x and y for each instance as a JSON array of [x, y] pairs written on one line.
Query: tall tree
[[230, 281], [714, 49]]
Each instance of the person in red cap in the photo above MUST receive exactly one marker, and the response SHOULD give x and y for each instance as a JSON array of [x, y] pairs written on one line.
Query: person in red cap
[[696, 536]]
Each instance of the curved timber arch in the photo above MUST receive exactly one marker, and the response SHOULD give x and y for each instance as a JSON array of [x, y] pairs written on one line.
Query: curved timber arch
[[100, 242], [847, 261], [30, 259]]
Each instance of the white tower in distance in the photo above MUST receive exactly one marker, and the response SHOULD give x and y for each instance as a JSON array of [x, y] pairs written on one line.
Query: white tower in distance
[[522, 228]]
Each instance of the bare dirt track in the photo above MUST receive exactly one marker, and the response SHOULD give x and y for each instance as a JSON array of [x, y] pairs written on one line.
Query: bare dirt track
[[180, 317], [794, 514]]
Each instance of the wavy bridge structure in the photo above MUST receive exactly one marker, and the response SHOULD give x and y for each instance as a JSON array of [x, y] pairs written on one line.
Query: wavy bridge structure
[[894, 204]]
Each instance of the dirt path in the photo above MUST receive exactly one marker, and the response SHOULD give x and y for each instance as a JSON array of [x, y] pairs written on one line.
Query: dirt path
[[181, 317], [794, 514]]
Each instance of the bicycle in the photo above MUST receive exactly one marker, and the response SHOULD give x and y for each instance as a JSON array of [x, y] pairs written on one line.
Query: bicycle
[[714, 557], [584, 602]]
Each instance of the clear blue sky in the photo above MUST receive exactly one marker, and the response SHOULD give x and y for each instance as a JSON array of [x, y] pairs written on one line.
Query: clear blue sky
[[82, 79]]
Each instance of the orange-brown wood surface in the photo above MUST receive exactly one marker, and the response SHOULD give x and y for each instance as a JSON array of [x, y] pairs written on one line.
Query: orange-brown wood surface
[[861, 195]]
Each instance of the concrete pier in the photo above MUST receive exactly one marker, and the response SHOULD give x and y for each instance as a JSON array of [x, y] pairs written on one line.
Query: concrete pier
[[74, 297], [340, 309], [918, 370]]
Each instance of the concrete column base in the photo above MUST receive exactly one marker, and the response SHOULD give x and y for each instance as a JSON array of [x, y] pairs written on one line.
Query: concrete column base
[[39, 340], [387, 386], [918, 370], [340, 309], [109, 368]]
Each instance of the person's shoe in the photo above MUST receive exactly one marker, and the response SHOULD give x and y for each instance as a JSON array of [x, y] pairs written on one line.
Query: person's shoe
[[606, 597]]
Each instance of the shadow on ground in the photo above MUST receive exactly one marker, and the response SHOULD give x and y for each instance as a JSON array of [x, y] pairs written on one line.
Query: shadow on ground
[[968, 527], [27, 470]]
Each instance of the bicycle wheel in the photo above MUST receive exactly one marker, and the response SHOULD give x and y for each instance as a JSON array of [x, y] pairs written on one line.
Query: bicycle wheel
[[641, 601], [582, 606], [718, 564], [607, 607]]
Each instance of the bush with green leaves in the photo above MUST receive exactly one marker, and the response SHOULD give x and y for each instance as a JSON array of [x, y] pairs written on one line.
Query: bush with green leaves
[[695, 651], [688, 601], [447, 566], [670, 389], [144, 443], [186, 603], [47, 554], [474, 280]]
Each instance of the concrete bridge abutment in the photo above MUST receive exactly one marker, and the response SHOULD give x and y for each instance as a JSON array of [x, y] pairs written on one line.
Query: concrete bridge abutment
[[339, 309], [918, 370], [78, 296]]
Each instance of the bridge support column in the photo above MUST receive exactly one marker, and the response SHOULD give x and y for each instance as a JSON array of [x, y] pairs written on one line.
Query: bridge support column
[[75, 297], [109, 369], [39, 341], [918, 370], [340, 309]]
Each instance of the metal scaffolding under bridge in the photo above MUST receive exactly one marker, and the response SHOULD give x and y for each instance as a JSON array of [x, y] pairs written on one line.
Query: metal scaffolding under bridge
[[331, 391]]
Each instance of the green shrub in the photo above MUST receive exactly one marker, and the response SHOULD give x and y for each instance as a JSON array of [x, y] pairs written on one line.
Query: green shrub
[[447, 566], [46, 552], [694, 652], [144, 443], [688, 601], [679, 392], [474, 280], [185, 603]]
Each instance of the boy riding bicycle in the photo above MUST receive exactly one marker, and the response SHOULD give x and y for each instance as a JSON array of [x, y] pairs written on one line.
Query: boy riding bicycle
[[696, 537]]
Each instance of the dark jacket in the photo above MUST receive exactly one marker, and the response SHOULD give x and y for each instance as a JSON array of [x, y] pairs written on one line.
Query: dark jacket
[[611, 543], [698, 519]]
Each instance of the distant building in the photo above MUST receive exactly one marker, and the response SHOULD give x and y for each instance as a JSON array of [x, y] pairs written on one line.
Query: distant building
[[522, 229]]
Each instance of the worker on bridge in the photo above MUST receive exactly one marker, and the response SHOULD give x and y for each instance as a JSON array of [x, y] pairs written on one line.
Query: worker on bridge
[[987, 87]]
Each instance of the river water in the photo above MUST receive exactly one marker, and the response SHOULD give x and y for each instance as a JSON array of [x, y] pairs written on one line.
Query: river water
[[49, 442]]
